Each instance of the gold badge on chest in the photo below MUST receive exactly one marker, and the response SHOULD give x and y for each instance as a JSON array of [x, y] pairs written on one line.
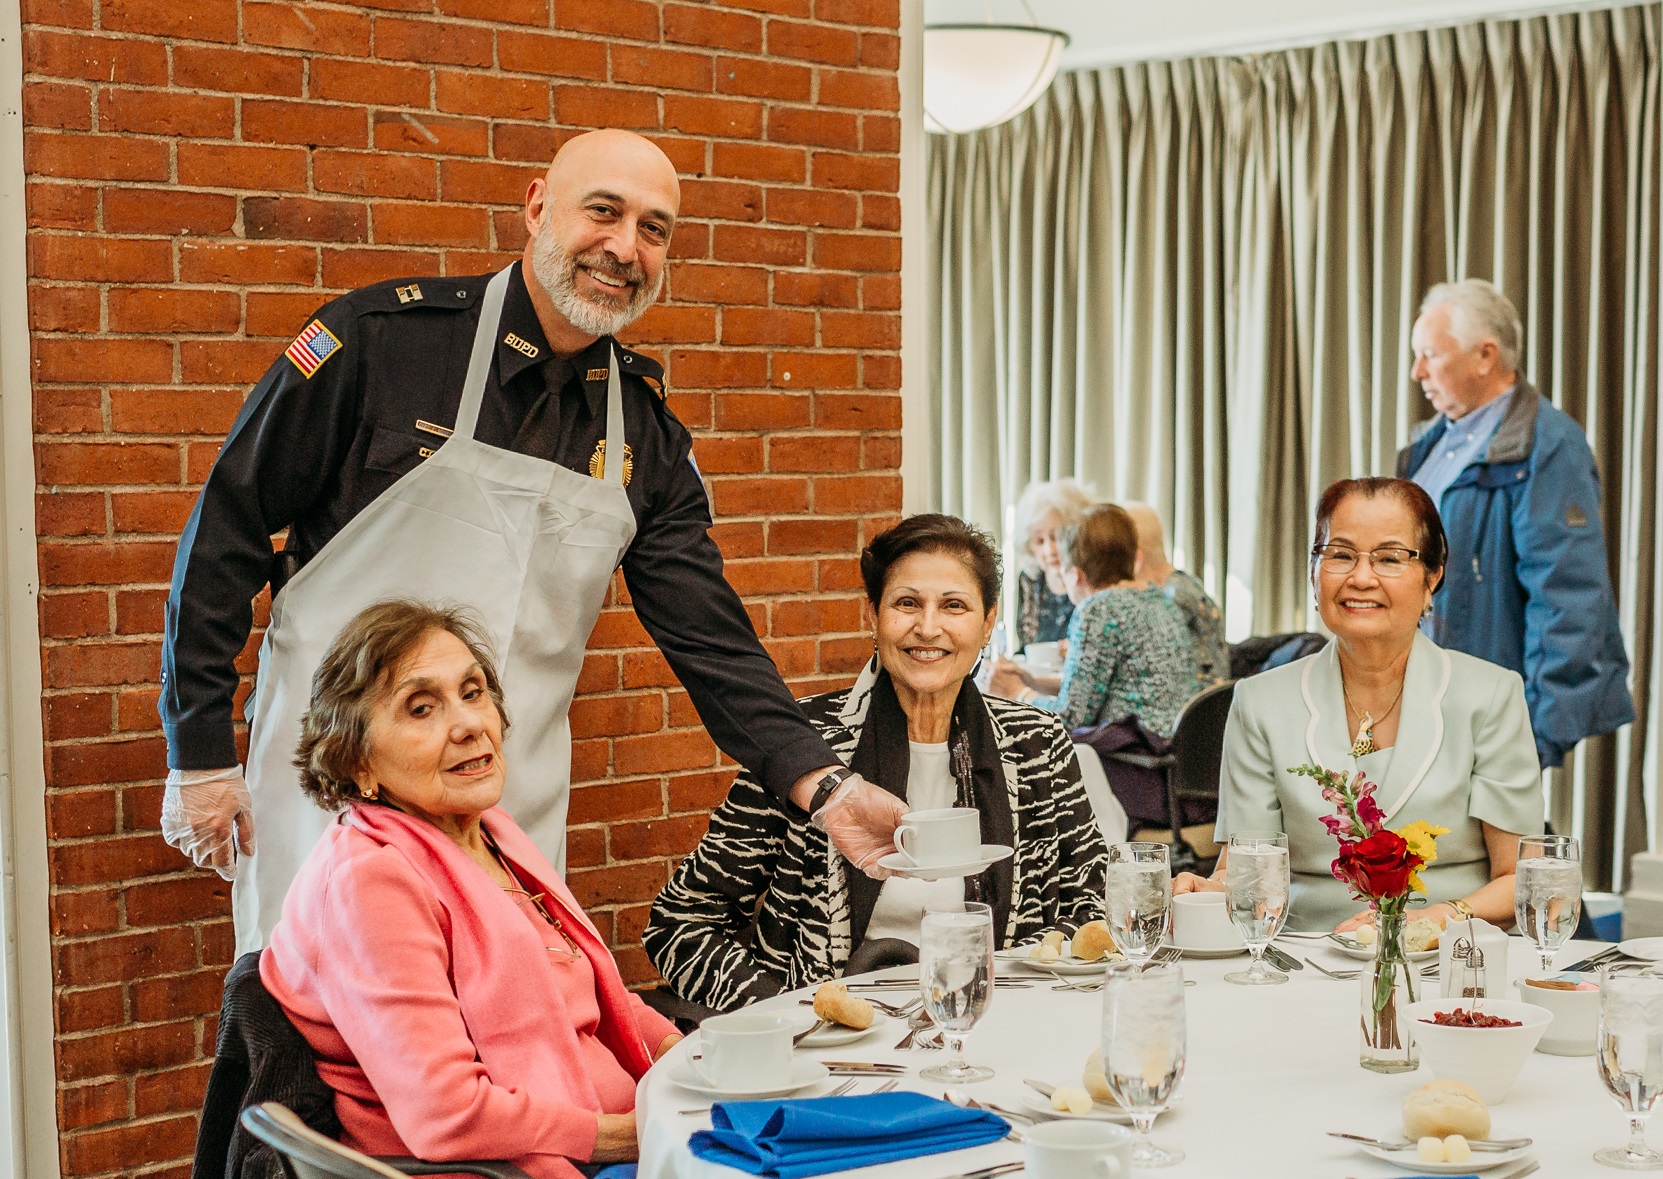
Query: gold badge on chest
[[599, 457]]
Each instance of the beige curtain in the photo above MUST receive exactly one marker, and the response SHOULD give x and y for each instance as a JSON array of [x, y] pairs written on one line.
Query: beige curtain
[[1192, 282]]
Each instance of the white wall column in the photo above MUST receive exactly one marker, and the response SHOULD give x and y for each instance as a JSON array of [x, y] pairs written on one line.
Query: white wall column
[[28, 1071]]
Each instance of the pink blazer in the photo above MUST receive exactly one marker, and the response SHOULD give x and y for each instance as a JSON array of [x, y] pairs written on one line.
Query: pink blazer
[[430, 1001]]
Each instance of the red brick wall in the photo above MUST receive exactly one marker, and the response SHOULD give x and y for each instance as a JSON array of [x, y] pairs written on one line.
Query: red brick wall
[[201, 176]]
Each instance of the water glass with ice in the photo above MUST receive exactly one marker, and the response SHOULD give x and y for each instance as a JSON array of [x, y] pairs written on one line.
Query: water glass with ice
[[1547, 892], [1138, 897], [955, 978], [1257, 881], [1630, 1061], [1144, 1048]]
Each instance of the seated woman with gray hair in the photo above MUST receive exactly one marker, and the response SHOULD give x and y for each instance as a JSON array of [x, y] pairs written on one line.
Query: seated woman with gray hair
[[456, 997], [1043, 607]]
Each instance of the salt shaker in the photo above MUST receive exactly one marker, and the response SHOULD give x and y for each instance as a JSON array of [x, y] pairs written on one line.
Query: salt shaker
[[1457, 979]]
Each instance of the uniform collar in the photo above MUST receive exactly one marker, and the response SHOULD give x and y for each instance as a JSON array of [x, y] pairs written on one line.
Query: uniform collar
[[521, 344]]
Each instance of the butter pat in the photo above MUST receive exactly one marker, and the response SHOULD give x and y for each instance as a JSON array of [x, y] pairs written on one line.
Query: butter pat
[[1456, 1149], [1069, 1099], [1430, 1150]]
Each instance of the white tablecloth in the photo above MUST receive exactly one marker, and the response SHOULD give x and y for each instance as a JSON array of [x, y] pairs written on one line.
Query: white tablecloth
[[1270, 1070]]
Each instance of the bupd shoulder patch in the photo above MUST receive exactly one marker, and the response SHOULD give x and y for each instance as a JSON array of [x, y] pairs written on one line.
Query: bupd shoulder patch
[[1575, 517], [314, 345]]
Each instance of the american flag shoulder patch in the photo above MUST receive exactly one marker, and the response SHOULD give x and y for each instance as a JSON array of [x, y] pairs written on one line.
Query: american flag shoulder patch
[[312, 347]]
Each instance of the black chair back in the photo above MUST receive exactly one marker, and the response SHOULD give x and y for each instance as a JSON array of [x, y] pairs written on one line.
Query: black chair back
[[1197, 757], [1263, 652]]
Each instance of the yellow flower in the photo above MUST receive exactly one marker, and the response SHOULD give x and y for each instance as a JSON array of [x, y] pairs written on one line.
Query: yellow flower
[[1422, 838]]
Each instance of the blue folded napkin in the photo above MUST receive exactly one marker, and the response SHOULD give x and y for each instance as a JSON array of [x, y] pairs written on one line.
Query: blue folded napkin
[[795, 1139]]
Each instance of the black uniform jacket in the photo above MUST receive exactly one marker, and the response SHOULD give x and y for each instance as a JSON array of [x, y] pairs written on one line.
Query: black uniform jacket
[[309, 450]]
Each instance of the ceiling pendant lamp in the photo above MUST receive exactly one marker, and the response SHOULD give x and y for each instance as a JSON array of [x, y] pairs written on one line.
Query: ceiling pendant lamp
[[978, 76]]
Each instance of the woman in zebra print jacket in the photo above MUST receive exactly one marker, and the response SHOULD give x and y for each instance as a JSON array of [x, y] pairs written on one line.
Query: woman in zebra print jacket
[[765, 903]]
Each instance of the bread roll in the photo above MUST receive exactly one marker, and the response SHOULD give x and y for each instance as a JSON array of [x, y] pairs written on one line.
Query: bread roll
[[1092, 942], [1096, 1080], [833, 1001], [1421, 933], [1443, 1108]]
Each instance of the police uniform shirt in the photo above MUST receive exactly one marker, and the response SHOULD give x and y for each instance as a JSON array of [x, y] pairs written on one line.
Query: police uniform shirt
[[369, 389]]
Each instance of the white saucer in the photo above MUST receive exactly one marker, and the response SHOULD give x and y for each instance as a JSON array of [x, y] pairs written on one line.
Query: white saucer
[[1647, 949], [835, 1036], [992, 853], [1208, 952], [1067, 965], [803, 1074], [1352, 949], [1481, 1160]]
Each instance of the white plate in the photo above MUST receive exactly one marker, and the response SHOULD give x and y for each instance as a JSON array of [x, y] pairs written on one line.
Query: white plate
[[1067, 965], [1350, 948], [802, 1018], [1481, 1160], [803, 1074], [1040, 1106], [992, 853], [1647, 949]]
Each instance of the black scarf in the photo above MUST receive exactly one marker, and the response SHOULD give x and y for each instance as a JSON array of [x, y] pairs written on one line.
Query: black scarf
[[883, 757]]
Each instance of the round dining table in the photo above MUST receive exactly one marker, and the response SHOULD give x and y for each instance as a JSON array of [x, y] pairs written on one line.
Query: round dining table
[[1270, 1071]]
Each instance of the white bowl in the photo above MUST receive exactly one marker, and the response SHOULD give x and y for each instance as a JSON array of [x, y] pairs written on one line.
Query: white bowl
[[1575, 1024], [1488, 1059]]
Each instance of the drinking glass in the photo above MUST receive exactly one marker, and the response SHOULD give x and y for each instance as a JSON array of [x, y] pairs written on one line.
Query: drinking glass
[[1256, 885], [1630, 1062], [955, 977], [1143, 1047], [1138, 897], [1547, 892]]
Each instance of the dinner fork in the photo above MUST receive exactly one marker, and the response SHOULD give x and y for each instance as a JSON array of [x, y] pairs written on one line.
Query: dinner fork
[[1348, 975]]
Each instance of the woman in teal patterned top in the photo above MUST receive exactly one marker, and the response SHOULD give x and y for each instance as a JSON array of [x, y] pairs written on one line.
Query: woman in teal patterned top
[[1129, 648]]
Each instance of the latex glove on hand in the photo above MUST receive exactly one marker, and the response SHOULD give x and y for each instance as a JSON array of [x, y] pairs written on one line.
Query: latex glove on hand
[[209, 816], [860, 820]]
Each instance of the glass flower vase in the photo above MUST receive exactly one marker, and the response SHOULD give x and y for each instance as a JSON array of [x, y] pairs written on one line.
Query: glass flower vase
[[1388, 987]]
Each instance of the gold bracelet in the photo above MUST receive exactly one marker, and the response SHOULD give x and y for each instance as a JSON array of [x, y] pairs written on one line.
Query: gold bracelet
[[1462, 910]]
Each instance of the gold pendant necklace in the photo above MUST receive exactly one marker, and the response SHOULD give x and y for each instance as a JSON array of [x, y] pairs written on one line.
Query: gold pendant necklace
[[1364, 744]]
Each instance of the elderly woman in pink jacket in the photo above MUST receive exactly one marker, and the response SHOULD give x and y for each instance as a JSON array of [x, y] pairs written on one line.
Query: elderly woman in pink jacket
[[457, 999]]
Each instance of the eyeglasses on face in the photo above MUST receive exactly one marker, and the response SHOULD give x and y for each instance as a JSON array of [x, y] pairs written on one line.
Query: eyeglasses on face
[[1388, 561]]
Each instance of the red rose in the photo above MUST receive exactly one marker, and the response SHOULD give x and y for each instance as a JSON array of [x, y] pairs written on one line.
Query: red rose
[[1377, 867]]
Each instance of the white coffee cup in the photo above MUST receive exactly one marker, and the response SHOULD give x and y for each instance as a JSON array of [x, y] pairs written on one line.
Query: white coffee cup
[[745, 1051], [1077, 1150], [1043, 656], [940, 838], [1201, 921]]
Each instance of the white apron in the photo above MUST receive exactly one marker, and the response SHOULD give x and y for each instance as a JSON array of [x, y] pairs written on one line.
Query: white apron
[[528, 545]]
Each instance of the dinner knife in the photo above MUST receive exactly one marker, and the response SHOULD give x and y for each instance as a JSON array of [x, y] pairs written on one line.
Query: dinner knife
[[1282, 961], [1599, 959]]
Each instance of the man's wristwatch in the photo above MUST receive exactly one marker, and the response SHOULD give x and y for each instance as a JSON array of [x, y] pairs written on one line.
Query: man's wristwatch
[[828, 786]]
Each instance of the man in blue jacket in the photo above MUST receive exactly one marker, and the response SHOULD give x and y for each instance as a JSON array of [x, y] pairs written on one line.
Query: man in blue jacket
[[1526, 585]]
